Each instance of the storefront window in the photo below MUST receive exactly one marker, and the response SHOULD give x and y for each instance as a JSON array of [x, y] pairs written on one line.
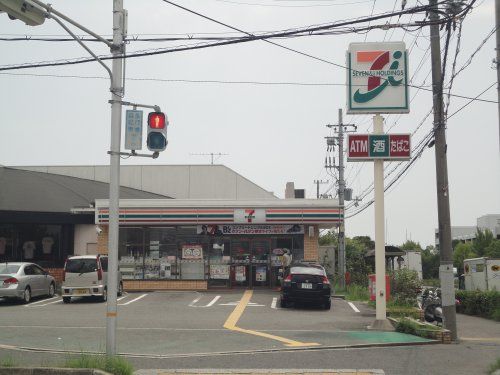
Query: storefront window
[[7, 243], [131, 253], [219, 263], [162, 254]]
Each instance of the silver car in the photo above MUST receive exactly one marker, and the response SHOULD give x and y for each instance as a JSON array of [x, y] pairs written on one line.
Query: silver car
[[24, 281]]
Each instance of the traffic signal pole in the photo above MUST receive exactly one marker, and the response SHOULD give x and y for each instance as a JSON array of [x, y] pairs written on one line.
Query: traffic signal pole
[[114, 182]]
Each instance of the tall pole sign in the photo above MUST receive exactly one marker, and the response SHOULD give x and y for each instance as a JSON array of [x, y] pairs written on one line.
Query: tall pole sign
[[377, 82]]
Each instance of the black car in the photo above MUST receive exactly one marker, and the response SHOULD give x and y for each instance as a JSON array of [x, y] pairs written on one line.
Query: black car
[[306, 284]]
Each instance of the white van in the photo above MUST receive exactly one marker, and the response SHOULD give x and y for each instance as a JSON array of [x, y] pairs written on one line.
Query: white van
[[87, 276]]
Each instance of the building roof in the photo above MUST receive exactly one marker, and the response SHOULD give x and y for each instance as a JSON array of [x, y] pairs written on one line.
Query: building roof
[[23, 190], [177, 181]]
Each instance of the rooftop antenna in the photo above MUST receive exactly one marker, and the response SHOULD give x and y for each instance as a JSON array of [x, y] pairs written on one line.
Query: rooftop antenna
[[211, 154]]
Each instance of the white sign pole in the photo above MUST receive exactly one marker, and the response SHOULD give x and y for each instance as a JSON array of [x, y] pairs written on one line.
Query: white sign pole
[[381, 309]]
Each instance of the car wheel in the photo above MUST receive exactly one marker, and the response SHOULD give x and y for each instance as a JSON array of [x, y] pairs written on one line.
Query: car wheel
[[283, 303], [120, 289], [66, 299], [104, 297], [27, 295], [52, 290], [328, 304]]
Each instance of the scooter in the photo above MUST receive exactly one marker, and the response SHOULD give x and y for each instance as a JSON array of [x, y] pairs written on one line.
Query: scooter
[[430, 302]]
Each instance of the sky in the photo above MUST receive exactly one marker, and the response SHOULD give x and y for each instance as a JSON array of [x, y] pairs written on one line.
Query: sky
[[273, 130]]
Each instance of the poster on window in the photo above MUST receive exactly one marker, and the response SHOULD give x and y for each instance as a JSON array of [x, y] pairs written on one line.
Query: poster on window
[[193, 252], [219, 271], [165, 269], [260, 273], [240, 273]]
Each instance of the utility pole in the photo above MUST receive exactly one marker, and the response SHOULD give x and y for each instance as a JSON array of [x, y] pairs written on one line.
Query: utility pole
[[341, 128], [319, 182], [497, 60], [443, 199], [117, 49]]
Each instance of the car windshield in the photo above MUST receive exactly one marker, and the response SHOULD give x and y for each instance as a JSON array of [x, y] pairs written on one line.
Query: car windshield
[[6, 268], [81, 265], [307, 271]]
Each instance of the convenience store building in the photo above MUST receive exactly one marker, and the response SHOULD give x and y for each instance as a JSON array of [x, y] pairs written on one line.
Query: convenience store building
[[198, 244]]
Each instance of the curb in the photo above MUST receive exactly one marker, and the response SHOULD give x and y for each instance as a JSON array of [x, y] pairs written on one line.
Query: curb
[[49, 371]]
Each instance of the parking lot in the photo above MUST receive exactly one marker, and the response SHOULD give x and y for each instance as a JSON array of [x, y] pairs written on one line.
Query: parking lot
[[177, 323]]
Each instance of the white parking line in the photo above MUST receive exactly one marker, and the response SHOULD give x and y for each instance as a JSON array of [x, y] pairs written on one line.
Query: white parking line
[[50, 303], [212, 301], [273, 304], [119, 299], [134, 300], [194, 302], [41, 301], [353, 307]]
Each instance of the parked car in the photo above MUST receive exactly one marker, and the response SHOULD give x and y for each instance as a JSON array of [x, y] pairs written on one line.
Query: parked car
[[24, 280], [307, 284], [87, 276]]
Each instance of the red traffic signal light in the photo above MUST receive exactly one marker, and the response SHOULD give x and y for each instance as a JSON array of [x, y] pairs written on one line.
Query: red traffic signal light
[[156, 120], [157, 131]]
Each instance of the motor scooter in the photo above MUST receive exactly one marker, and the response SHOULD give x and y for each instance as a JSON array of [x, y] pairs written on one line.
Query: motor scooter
[[430, 302]]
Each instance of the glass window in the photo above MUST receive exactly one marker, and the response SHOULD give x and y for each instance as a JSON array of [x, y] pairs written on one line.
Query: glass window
[[219, 263], [6, 269], [28, 271], [37, 271], [131, 253], [81, 265], [104, 263], [6, 243]]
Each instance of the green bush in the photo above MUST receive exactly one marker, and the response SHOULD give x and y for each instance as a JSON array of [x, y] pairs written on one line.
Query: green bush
[[406, 286], [407, 326], [7, 362], [113, 365], [484, 304], [494, 366]]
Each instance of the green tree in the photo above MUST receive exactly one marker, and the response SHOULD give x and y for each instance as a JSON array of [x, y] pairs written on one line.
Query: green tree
[[493, 251], [411, 245], [406, 286], [462, 251], [482, 241], [330, 238], [430, 263], [356, 265]]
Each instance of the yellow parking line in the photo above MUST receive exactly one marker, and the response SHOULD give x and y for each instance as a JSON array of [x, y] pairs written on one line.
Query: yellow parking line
[[236, 315]]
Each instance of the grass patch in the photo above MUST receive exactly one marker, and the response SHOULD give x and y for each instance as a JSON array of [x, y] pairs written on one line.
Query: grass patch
[[354, 292], [494, 366], [113, 365], [413, 327], [7, 362]]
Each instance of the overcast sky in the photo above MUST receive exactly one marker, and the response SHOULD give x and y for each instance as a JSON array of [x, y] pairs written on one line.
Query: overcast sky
[[271, 133]]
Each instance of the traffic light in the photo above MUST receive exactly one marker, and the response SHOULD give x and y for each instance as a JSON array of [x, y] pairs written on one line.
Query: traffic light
[[157, 131], [23, 10]]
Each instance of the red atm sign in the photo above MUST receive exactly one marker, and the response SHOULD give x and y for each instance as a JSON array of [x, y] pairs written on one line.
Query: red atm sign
[[378, 146]]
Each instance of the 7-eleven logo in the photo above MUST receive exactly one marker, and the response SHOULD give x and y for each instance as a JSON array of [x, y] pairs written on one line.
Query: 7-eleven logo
[[379, 76], [249, 215]]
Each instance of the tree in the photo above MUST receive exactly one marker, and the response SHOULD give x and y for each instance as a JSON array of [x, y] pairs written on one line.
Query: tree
[[462, 251], [493, 251], [330, 238], [356, 265], [411, 245], [430, 263], [482, 241]]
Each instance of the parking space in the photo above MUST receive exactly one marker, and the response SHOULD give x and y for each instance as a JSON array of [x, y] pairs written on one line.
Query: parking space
[[181, 322]]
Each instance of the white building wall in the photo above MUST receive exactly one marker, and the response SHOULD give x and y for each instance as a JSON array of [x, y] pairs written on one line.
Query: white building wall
[[176, 181], [491, 222], [85, 239]]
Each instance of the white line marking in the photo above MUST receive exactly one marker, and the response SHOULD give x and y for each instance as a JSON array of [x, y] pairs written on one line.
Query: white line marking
[[193, 303], [119, 299], [353, 307], [273, 304], [211, 303], [250, 304], [135, 299], [41, 301], [50, 303]]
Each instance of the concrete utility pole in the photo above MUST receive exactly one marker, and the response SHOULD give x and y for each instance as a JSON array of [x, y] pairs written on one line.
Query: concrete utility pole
[[341, 128], [119, 19], [319, 182], [497, 60], [443, 199]]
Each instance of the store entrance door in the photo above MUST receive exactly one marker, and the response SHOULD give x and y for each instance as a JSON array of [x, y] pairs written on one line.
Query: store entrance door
[[250, 263]]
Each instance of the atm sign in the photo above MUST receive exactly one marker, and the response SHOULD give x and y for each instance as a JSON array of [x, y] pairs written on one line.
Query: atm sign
[[363, 147]]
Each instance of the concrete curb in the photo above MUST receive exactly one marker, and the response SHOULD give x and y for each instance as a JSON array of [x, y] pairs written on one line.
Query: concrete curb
[[262, 371], [49, 371]]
